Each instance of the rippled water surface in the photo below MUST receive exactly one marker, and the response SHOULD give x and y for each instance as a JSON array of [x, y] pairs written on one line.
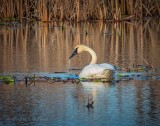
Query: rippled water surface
[[46, 48]]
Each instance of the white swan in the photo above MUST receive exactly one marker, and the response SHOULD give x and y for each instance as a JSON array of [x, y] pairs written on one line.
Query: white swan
[[94, 70]]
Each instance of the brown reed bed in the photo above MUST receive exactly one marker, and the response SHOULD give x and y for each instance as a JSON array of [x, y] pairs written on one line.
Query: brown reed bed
[[77, 10]]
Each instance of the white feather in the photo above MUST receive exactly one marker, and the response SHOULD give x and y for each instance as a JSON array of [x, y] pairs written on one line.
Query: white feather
[[94, 70]]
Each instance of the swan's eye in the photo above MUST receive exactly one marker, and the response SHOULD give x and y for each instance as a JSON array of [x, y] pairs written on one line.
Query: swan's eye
[[76, 50], [74, 53]]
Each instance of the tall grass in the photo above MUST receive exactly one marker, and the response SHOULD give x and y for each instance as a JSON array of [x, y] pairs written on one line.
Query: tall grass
[[77, 10]]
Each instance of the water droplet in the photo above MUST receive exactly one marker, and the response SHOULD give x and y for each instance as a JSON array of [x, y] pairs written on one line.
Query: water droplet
[[69, 64]]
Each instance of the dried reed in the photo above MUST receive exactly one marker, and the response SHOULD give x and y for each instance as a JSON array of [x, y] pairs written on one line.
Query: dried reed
[[77, 10]]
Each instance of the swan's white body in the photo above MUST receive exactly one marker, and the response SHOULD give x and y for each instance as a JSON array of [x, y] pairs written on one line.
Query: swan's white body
[[94, 70], [97, 71]]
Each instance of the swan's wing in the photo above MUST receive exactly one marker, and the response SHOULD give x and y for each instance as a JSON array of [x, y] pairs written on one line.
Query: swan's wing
[[107, 66], [93, 70]]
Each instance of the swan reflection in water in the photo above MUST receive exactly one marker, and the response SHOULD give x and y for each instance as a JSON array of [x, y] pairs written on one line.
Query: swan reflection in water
[[93, 71], [88, 92]]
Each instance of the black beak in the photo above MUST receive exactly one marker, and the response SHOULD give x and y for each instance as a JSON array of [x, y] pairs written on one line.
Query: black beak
[[74, 53]]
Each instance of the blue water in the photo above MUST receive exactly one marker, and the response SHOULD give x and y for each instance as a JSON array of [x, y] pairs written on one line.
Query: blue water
[[133, 99], [127, 104]]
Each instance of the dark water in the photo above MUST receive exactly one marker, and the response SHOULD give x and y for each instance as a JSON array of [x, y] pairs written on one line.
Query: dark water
[[46, 48]]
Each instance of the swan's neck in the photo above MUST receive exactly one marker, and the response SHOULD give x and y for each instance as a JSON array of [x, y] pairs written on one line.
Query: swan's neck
[[94, 56]]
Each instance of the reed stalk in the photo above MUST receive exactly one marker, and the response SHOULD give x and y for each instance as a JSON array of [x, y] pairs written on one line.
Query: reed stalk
[[77, 10]]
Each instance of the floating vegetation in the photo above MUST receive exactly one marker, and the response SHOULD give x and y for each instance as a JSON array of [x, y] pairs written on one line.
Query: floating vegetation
[[138, 72], [136, 68], [7, 80]]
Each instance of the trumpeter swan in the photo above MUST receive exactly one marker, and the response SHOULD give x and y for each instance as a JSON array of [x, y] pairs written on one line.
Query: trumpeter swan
[[94, 70]]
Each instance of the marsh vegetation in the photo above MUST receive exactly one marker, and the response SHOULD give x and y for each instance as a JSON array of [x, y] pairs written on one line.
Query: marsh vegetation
[[77, 10]]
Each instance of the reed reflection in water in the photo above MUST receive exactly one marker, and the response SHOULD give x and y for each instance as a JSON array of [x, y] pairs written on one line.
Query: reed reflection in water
[[45, 48]]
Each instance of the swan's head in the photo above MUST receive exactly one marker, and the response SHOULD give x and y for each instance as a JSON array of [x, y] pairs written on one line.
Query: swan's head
[[78, 49]]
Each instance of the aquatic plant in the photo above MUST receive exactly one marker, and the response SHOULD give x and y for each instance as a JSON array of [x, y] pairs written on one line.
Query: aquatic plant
[[7, 79], [120, 75], [77, 10]]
